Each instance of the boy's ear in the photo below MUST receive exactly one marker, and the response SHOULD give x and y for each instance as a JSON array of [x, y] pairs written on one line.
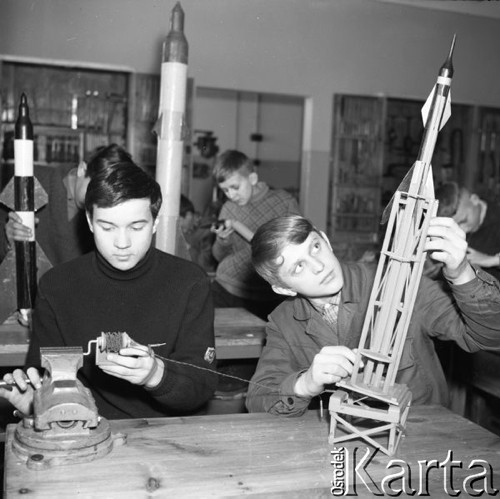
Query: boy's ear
[[81, 169], [474, 198], [155, 224], [254, 178], [283, 291], [89, 221]]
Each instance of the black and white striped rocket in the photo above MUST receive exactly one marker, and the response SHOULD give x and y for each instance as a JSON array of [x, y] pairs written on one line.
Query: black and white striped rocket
[[24, 205], [25, 195]]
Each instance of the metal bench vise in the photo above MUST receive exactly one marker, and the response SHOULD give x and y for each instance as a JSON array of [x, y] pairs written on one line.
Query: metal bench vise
[[65, 426]]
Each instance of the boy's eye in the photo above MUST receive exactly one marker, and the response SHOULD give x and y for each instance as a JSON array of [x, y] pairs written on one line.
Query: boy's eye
[[316, 247], [137, 227], [106, 228], [298, 268]]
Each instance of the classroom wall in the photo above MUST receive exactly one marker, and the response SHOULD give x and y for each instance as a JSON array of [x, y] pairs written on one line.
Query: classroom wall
[[313, 48]]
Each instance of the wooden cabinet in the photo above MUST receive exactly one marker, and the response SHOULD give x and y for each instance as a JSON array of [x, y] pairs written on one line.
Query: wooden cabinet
[[73, 109], [356, 176], [487, 172], [375, 142]]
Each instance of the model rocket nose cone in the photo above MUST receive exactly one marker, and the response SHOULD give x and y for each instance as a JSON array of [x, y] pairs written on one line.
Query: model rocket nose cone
[[24, 99], [447, 67], [177, 18], [452, 46]]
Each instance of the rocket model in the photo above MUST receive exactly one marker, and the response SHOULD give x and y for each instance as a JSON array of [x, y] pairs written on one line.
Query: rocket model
[[25, 195], [394, 290], [435, 113], [170, 129]]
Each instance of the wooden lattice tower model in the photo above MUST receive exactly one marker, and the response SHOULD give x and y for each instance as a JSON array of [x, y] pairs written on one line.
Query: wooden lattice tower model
[[371, 392]]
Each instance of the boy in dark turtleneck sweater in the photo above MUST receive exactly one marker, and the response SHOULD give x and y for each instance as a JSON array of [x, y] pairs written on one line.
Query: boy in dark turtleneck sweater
[[129, 286]]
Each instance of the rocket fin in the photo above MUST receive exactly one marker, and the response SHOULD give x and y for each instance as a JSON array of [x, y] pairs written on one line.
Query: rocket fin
[[157, 128], [427, 106], [42, 262], [8, 286], [41, 197], [404, 186], [446, 111], [429, 185], [7, 195]]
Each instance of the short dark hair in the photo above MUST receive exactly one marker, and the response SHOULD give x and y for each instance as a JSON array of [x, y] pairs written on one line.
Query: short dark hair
[[122, 182], [186, 206], [271, 238], [230, 162], [449, 195], [104, 157]]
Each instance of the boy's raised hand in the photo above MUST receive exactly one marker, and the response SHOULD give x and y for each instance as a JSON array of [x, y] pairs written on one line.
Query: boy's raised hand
[[330, 365], [446, 243]]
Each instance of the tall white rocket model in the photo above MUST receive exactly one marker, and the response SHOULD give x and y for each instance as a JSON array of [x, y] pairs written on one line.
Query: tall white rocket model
[[170, 128]]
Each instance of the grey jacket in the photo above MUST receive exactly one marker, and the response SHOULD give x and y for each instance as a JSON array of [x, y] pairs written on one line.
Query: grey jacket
[[468, 314]]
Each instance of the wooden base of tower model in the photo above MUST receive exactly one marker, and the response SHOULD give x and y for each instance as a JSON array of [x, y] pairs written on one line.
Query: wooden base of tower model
[[382, 417]]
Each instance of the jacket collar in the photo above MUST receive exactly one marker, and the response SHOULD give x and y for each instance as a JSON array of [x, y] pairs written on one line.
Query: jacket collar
[[351, 293]]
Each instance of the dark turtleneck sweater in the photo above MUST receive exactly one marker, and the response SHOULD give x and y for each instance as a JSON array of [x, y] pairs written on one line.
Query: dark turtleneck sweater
[[163, 299]]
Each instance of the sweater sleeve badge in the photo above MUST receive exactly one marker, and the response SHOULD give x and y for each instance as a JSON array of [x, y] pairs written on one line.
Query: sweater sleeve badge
[[209, 355]]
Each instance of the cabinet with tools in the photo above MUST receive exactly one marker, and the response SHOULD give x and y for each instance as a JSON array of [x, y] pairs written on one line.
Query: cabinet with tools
[[375, 142], [356, 175], [487, 172], [73, 109]]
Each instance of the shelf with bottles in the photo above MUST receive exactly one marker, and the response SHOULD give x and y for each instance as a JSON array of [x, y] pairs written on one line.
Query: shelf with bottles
[[73, 109], [52, 145]]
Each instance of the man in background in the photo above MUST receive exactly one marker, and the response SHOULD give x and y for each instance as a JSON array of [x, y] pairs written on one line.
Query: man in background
[[479, 219]]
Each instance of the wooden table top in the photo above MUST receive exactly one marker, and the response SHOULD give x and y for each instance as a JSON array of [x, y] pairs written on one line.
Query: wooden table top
[[233, 455]]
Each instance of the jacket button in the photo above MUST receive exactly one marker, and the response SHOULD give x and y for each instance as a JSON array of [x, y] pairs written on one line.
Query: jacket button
[[290, 400]]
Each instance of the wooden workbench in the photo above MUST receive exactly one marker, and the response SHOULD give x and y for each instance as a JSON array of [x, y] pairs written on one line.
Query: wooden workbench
[[14, 343], [238, 335], [249, 454]]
